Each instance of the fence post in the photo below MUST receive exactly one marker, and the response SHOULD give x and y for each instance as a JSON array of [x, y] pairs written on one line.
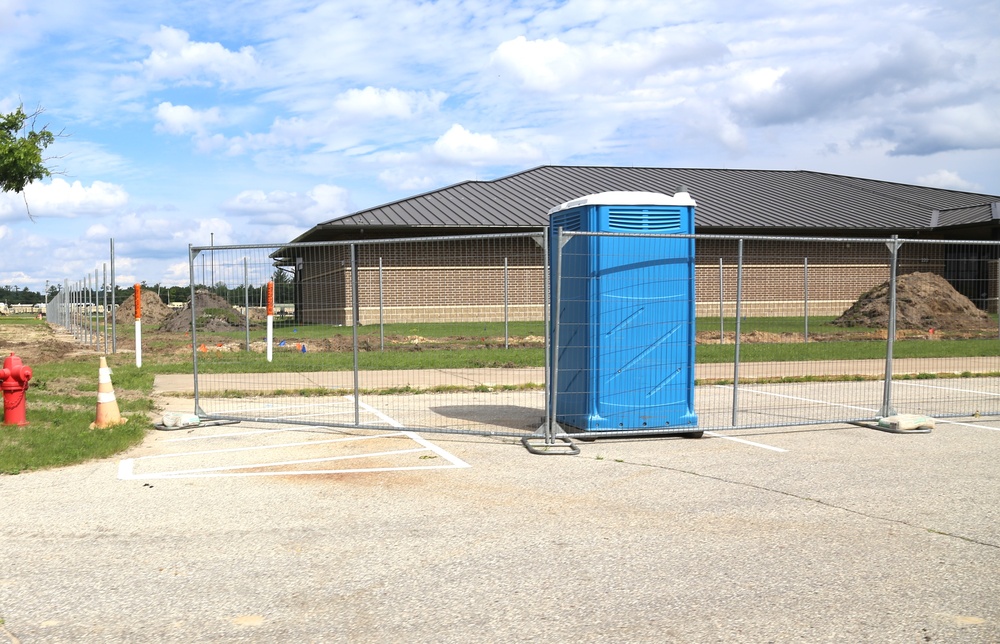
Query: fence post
[[887, 409], [805, 292], [381, 309], [547, 432], [194, 329], [104, 291], [114, 326], [246, 301], [97, 320], [354, 326], [722, 312], [88, 320], [556, 305], [736, 352], [506, 307]]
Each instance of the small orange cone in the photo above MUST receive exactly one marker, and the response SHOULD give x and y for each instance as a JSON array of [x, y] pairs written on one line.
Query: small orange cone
[[107, 405]]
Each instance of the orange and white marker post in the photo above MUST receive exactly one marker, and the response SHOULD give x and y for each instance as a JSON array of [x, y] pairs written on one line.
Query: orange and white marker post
[[138, 325], [270, 318]]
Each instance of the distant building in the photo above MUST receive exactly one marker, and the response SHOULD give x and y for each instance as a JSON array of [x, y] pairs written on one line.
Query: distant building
[[459, 278]]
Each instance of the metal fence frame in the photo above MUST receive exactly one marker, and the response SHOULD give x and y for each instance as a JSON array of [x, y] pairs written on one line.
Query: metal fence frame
[[549, 431]]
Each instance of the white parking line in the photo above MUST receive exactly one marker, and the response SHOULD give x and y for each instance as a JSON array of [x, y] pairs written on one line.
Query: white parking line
[[955, 389], [746, 442], [812, 400], [126, 468], [253, 432], [392, 421], [952, 422]]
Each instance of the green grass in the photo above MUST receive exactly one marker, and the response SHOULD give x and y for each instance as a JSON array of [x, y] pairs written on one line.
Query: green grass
[[215, 362], [61, 405], [62, 396]]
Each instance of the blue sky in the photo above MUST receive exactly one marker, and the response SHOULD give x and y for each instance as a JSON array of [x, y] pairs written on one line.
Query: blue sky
[[253, 121]]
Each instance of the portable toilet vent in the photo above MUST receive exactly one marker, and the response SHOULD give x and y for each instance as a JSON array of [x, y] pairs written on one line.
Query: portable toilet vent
[[625, 353]]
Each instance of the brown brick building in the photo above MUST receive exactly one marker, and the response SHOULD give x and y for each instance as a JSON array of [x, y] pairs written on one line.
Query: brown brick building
[[406, 273]]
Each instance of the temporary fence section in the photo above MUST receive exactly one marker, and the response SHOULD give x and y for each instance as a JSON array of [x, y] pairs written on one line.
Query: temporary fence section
[[86, 307], [437, 333], [906, 341], [450, 333], [83, 308]]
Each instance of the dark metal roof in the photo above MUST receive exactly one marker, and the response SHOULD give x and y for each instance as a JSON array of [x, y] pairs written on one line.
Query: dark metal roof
[[727, 199]]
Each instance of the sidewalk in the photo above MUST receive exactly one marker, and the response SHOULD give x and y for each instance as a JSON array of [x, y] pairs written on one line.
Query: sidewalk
[[428, 378]]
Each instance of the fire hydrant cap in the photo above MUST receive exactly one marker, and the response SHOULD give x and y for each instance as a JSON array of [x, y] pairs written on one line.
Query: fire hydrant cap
[[15, 374]]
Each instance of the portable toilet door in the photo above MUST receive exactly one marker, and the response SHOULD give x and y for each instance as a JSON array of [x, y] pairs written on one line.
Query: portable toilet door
[[626, 335]]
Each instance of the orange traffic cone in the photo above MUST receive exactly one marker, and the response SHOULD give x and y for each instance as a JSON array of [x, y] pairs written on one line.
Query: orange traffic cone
[[107, 405]]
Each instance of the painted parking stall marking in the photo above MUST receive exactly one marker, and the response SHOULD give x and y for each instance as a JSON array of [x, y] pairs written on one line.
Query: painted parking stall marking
[[267, 451]]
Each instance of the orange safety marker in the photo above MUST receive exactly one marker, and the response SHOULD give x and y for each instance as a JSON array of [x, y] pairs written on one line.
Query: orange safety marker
[[270, 319], [107, 405], [138, 325]]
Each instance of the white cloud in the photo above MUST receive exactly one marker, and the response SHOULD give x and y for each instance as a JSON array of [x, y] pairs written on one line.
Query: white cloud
[[275, 208], [963, 127], [373, 102], [459, 145], [63, 199], [948, 180], [408, 180], [834, 87], [543, 65], [175, 57], [552, 65], [183, 119]]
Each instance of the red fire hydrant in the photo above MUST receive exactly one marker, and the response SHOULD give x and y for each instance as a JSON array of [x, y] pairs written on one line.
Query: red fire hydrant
[[14, 377]]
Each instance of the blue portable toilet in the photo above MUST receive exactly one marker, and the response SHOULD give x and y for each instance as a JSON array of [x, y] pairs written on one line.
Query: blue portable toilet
[[626, 324]]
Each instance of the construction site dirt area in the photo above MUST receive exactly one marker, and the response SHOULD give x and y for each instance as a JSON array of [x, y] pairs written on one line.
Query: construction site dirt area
[[39, 343]]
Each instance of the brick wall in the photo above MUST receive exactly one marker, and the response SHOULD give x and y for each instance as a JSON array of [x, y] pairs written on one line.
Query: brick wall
[[463, 280]]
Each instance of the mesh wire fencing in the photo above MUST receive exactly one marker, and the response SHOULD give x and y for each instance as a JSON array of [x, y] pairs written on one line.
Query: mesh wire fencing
[[645, 333], [442, 334], [85, 308]]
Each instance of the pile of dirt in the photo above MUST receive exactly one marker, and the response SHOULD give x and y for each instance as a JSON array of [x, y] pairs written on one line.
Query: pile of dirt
[[923, 301], [214, 314], [154, 311]]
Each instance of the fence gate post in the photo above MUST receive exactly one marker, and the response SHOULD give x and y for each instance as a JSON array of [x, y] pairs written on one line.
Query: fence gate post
[[192, 254], [246, 300], [355, 319], [506, 307], [114, 325], [805, 297], [887, 409], [551, 311], [381, 309], [736, 352]]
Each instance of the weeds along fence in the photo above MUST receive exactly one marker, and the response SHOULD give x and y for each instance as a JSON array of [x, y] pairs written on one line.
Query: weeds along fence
[[453, 334]]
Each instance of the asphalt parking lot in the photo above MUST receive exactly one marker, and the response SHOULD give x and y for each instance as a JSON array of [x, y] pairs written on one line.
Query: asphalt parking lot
[[263, 533]]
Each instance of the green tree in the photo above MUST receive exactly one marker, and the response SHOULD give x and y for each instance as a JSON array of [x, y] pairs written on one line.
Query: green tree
[[21, 148]]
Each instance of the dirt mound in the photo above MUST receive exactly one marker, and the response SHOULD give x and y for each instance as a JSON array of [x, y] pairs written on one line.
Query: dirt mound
[[923, 301], [214, 314], [154, 311]]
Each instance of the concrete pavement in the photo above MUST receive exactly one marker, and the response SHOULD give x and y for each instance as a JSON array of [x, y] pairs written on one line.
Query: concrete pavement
[[835, 533]]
